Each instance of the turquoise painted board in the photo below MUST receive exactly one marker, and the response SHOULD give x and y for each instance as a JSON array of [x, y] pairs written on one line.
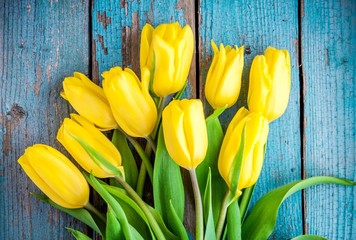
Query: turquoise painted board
[[116, 31], [329, 39], [256, 25], [40, 44]]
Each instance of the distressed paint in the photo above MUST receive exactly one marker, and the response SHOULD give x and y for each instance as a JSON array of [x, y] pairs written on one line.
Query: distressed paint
[[116, 29], [117, 43], [40, 44], [256, 25], [329, 39]]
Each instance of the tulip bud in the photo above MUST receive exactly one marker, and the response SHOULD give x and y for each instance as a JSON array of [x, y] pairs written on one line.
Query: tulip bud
[[55, 175], [130, 101], [248, 131], [77, 127], [185, 132], [89, 100], [223, 82], [167, 51], [270, 81]]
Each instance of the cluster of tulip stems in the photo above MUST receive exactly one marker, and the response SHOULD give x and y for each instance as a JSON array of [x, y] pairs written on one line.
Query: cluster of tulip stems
[[223, 167]]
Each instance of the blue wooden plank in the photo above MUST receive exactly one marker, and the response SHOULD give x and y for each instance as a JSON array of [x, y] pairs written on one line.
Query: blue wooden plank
[[258, 24], [116, 29], [40, 44], [329, 39]]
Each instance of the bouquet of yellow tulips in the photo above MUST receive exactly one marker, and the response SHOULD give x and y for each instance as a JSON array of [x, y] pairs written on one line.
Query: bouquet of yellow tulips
[[223, 166]]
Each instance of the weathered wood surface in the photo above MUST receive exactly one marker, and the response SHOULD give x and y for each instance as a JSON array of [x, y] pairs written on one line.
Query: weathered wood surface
[[42, 42], [329, 39], [256, 25]]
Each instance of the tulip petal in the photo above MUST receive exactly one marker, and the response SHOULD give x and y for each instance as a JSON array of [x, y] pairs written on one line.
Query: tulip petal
[[146, 54], [195, 130], [55, 175], [174, 135], [134, 109], [164, 67]]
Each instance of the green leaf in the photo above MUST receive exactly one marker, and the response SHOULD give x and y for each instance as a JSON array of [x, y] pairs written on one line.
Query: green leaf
[[167, 233], [133, 212], [113, 227], [167, 186], [218, 185], [216, 114], [128, 160], [78, 235], [98, 158], [236, 165], [208, 211], [81, 214], [110, 200], [245, 201], [179, 94], [260, 223], [233, 221], [309, 237], [181, 231], [136, 235]]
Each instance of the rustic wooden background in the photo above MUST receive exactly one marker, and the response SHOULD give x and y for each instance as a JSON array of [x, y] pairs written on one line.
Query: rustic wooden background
[[43, 41]]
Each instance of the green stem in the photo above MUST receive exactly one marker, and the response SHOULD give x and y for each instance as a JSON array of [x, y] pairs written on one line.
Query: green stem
[[217, 112], [153, 223], [160, 108], [199, 229], [141, 180], [93, 209], [246, 198], [151, 143], [143, 156], [149, 146], [220, 224], [142, 174]]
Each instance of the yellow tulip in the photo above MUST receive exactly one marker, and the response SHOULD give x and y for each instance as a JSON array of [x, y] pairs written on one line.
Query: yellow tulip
[[223, 82], [270, 82], [185, 132], [255, 127], [77, 127], [55, 175], [89, 100], [167, 51], [130, 101]]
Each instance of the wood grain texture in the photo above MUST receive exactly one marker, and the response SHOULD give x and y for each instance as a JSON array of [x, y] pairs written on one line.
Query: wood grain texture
[[329, 39], [256, 25], [40, 44], [116, 31]]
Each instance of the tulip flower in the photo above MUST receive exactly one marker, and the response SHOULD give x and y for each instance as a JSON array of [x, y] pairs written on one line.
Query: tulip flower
[[55, 175], [185, 132], [89, 100], [167, 52], [223, 82], [249, 131], [270, 81], [130, 101], [77, 127]]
